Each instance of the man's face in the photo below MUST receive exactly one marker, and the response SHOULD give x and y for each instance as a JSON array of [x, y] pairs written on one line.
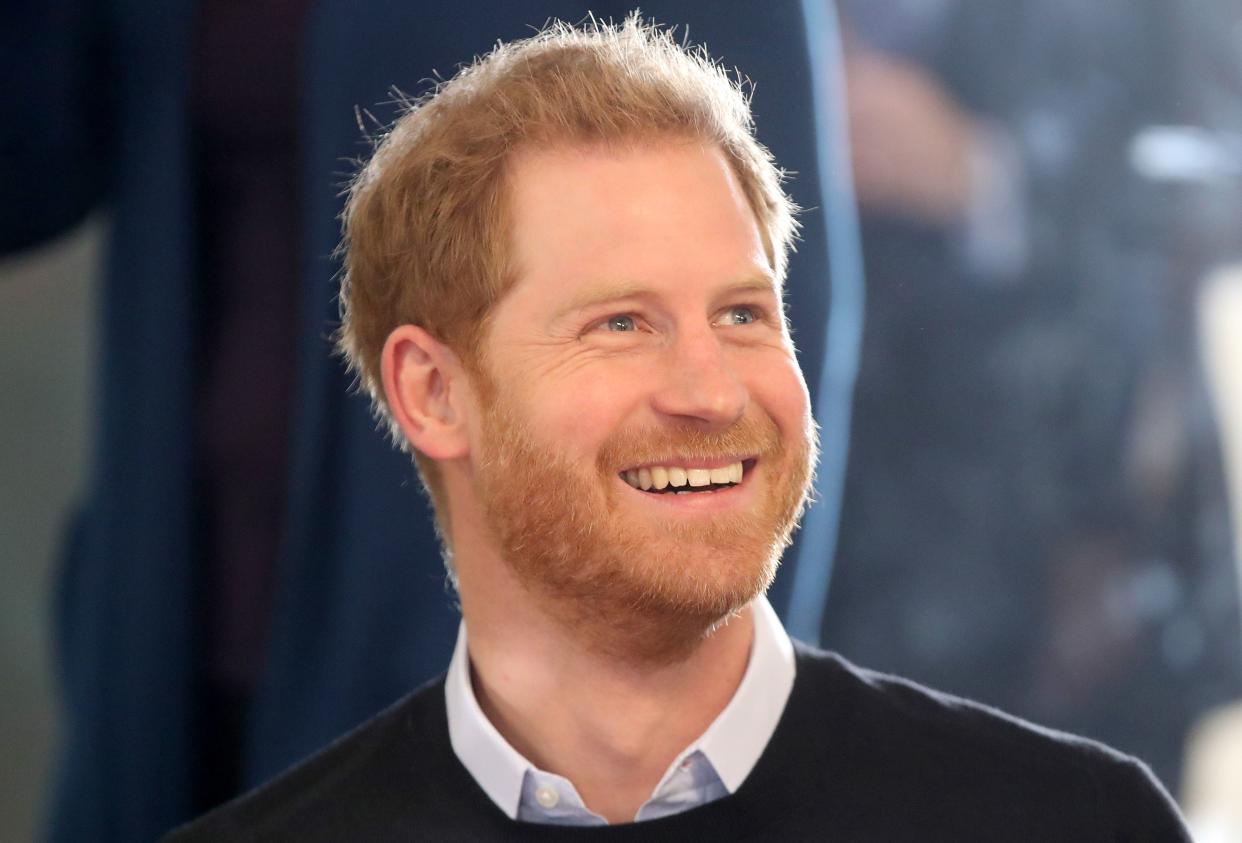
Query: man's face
[[642, 345]]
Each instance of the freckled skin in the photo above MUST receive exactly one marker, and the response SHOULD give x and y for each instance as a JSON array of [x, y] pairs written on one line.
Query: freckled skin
[[645, 324], [670, 221]]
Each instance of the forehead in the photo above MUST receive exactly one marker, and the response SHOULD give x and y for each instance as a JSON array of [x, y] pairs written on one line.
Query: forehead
[[654, 213]]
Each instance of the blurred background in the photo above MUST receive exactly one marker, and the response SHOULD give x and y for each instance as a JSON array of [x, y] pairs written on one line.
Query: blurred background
[[1044, 482], [1037, 507]]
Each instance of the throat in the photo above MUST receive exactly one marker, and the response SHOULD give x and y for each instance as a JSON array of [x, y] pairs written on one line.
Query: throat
[[604, 724]]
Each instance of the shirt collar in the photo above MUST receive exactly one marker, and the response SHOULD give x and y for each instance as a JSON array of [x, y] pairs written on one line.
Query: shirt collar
[[732, 743], [739, 734], [495, 765]]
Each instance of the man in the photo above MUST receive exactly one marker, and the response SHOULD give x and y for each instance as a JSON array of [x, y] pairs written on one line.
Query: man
[[216, 617], [563, 290]]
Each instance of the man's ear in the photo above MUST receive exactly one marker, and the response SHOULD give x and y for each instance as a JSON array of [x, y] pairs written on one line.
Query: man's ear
[[426, 388]]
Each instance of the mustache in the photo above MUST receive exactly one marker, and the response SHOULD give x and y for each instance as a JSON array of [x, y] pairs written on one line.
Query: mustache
[[750, 436]]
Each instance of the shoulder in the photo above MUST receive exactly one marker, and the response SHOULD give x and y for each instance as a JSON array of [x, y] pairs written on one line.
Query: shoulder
[[377, 774], [901, 737]]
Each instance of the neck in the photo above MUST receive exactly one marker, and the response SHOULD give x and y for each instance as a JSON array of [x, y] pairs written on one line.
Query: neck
[[580, 712]]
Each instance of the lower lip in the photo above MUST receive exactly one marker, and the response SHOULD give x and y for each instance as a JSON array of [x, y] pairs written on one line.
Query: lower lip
[[720, 499]]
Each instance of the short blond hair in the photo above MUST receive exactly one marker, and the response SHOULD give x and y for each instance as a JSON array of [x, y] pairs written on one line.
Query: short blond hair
[[426, 222]]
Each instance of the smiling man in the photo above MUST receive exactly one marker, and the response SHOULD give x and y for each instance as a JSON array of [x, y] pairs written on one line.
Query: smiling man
[[563, 291]]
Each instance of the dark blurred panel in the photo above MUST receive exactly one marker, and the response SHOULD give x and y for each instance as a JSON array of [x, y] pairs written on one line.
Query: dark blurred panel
[[1035, 512]]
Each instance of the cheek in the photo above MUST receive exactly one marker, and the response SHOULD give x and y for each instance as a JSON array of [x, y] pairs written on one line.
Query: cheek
[[581, 413], [781, 392]]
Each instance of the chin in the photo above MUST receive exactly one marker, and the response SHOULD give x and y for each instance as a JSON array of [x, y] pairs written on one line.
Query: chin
[[707, 584]]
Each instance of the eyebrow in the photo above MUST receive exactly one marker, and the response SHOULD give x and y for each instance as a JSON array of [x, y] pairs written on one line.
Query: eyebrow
[[621, 290]]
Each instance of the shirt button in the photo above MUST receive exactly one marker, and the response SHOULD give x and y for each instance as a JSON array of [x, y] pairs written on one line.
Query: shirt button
[[546, 796], [685, 764]]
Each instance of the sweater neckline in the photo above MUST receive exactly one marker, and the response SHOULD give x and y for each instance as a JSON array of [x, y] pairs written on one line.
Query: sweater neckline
[[777, 785]]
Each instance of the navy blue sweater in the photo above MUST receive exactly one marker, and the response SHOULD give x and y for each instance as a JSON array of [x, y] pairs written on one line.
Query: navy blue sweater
[[857, 756]]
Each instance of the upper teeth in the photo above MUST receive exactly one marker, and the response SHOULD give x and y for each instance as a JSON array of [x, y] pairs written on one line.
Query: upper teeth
[[661, 477]]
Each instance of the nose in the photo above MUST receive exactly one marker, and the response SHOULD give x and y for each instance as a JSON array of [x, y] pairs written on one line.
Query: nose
[[698, 383]]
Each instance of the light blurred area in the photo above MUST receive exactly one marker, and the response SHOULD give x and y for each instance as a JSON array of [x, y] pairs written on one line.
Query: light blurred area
[[1212, 786], [1220, 323], [1043, 489], [47, 329]]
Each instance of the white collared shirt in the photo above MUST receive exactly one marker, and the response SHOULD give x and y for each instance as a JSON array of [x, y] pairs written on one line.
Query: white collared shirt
[[713, 766]]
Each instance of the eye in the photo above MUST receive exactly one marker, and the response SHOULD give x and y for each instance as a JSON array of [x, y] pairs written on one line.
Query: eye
[[741, 315], [621, 323]]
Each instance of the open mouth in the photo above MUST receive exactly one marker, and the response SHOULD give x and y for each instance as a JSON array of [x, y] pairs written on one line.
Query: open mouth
[[682, 480]]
